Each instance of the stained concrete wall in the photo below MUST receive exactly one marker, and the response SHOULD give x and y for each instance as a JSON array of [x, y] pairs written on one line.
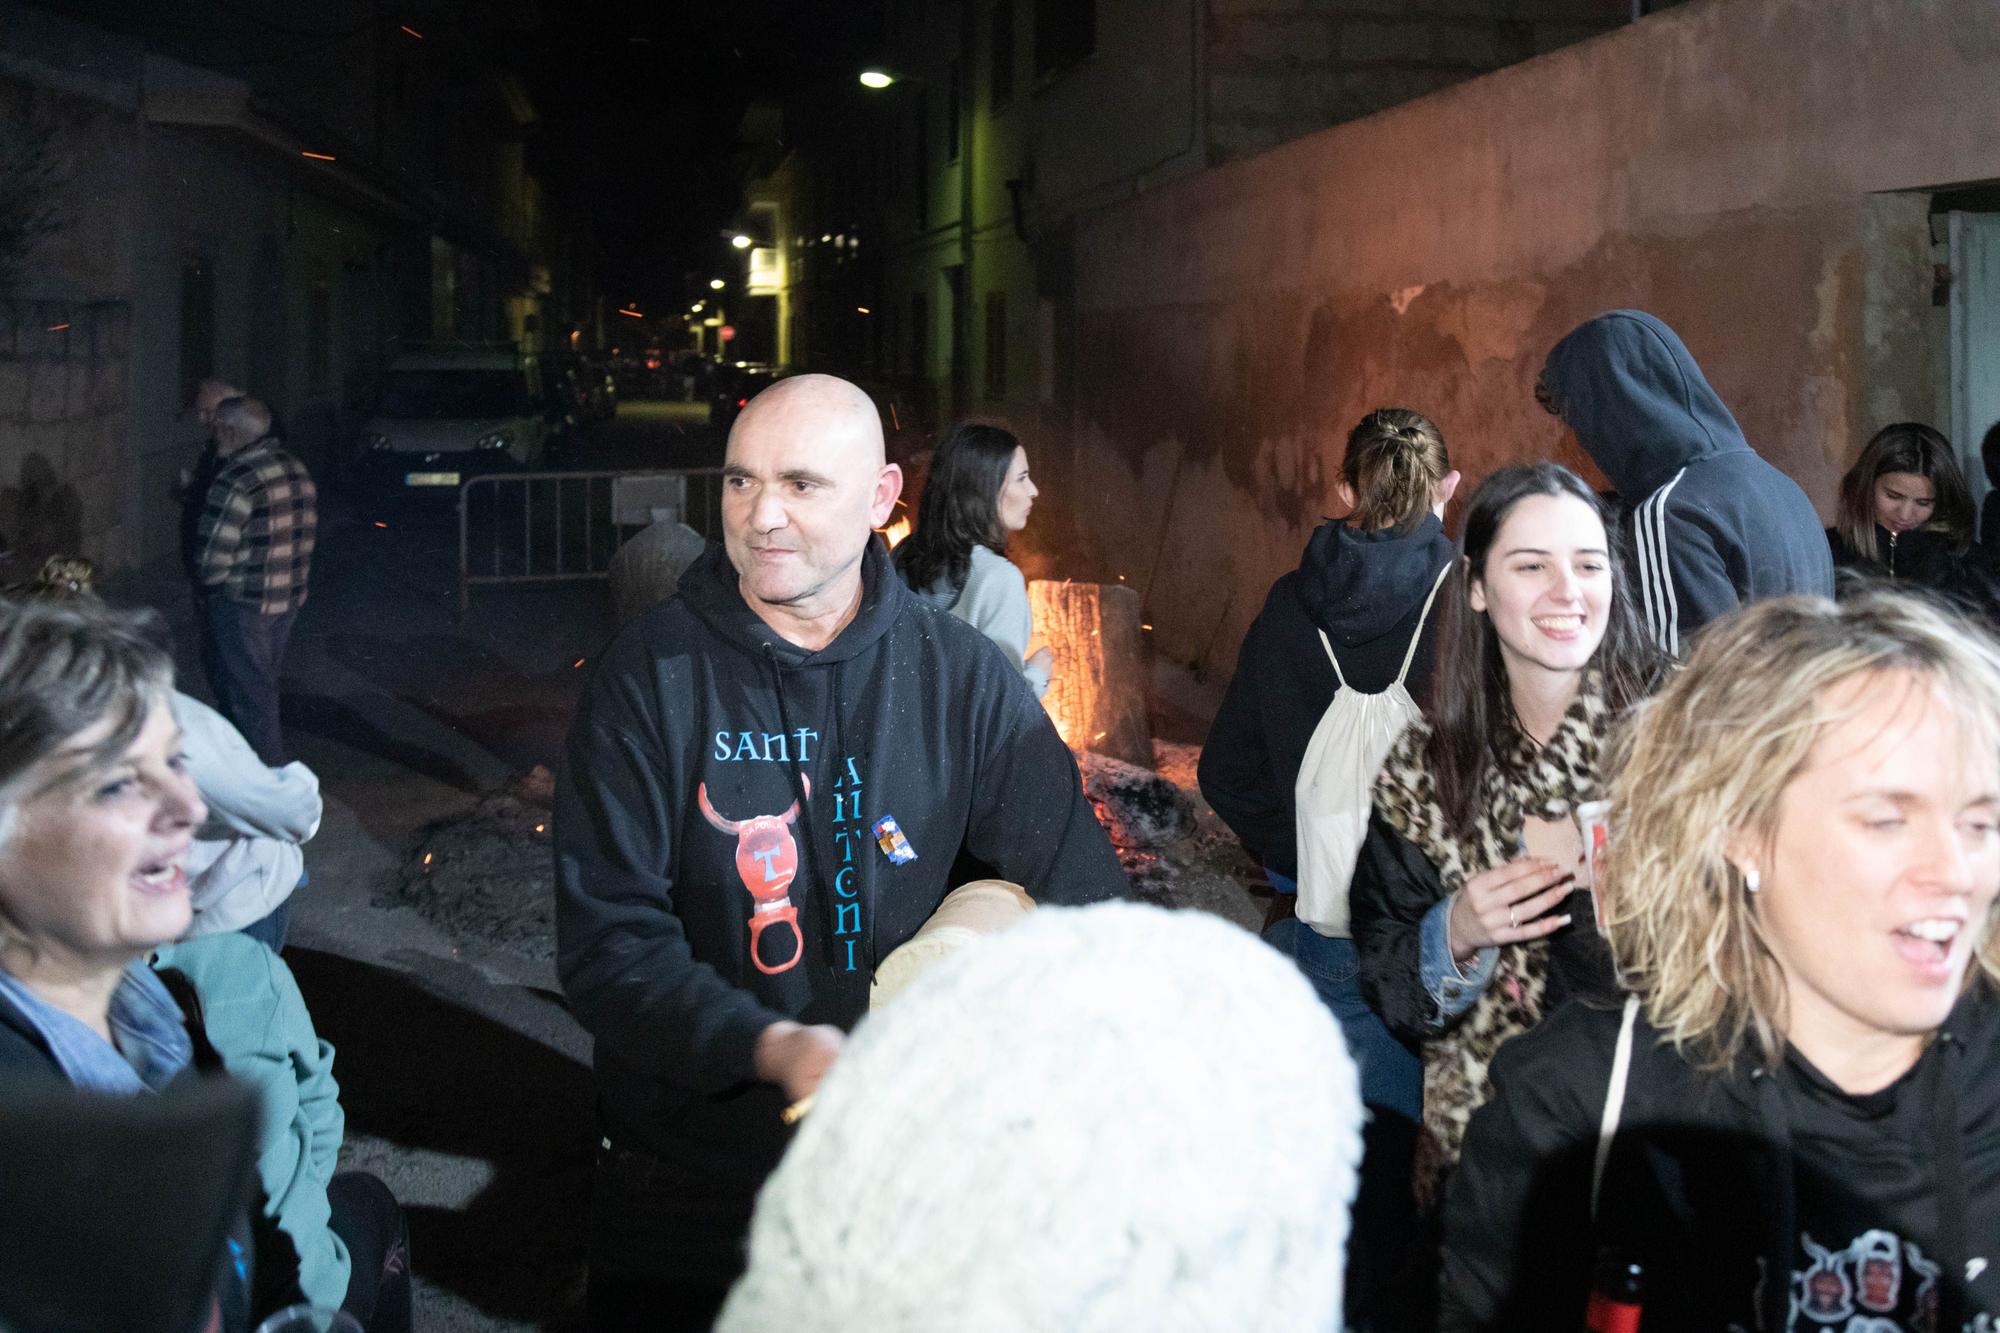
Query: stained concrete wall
[[1730, 165], [1282, 68], [64, 421]]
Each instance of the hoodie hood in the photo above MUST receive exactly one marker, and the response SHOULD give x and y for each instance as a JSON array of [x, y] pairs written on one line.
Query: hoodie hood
[[710, 590], [1640, 406], [1359, 586]]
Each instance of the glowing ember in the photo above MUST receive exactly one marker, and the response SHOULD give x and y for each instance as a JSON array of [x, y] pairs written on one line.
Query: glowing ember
[[579, 662], [427, 858], [897, 531], [540, 827]]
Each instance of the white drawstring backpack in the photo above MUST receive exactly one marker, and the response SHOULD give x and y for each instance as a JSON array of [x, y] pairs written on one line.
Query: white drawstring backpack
[[1337, 781]]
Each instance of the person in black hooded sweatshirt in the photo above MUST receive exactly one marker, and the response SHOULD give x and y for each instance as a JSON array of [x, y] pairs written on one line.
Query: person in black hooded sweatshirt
[[1712, 524], [1350, 616], [1793, 1123], [768, 779]]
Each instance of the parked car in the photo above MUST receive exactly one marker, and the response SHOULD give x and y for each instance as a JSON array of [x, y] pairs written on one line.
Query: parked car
[[449, 411], [732, 385]]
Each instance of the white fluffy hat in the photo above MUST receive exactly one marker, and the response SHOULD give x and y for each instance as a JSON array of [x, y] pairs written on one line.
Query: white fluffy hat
[[1111, 1117]]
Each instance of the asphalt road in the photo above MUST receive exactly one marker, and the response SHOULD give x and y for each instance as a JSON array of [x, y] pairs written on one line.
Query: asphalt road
[[466, 1084]]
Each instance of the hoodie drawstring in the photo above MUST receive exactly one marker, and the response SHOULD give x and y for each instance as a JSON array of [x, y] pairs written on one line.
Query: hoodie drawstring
[[1948, 1182], [808, 826], [815, 850], [1776, 1310]]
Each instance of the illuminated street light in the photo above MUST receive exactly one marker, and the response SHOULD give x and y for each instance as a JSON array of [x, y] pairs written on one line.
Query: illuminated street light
[[741, 242], [877, 78], [716, 284]]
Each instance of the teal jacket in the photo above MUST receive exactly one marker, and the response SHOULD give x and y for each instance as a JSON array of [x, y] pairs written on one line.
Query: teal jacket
[[257, 1021]]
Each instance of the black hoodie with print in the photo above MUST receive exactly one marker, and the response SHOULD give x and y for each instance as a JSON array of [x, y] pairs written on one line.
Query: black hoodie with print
[[1364, 589], [719, 775], [1712, 525], [1770, 1202]]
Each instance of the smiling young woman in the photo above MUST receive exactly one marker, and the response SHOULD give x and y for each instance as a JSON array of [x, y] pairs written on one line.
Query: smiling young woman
[[1800, 895], [1462, 907]]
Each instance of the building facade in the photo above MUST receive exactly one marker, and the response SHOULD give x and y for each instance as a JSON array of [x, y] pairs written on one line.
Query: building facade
[[278, 220]]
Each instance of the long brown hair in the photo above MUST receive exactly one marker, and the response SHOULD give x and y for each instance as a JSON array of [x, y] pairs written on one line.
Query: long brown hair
[[1471, 711], [1907, 446]]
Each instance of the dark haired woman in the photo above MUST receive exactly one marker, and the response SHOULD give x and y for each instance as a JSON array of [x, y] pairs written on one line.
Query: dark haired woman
[[1462, 907], [1352, 616], [1906, 514], [978, 495]]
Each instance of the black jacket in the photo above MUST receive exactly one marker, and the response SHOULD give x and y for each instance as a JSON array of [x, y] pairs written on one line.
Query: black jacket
[[1365, 590], [272, 1263], [700, 719], [1712, 525], [1395, 886], [1921, 558], [1737, 1194]]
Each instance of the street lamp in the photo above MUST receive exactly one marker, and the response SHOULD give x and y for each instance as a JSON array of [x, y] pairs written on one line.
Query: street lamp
[[716, 284], [877, 78], [741, 242]]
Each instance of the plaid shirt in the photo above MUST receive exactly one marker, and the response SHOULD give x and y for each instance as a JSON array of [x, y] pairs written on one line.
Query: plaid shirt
[[254, 540]]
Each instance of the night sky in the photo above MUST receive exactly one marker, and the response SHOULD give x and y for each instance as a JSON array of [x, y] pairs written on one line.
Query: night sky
[[640, 106]]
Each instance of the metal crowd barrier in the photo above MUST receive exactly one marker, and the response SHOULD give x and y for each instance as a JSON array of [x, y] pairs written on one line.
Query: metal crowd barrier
[[564, 527]]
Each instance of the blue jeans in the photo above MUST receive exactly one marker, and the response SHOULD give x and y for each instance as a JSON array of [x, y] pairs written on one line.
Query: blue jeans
[[1392, 1078], [242, 650]]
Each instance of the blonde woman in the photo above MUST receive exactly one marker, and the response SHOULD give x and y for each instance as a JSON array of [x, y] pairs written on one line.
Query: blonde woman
[[1794, 1124]]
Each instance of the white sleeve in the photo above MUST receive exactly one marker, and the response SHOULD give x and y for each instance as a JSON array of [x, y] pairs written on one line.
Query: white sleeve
[[995, 602], [243, 794]]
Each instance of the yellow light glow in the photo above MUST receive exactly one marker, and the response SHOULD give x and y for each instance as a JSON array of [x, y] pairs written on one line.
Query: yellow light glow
[[716, 284], [876, 78], [740, 241]]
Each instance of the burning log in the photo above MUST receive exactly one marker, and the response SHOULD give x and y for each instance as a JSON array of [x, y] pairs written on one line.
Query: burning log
[[1097, 694]]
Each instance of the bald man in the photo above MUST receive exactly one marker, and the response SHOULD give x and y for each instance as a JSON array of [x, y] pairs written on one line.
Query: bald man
[[250, 560], [769, 778]]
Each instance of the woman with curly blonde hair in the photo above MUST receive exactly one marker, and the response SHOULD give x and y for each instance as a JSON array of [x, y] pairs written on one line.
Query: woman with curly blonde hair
[[1794, 1122]]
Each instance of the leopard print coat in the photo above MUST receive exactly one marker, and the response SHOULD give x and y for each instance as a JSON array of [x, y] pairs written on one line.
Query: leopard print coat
[[1545, 782]]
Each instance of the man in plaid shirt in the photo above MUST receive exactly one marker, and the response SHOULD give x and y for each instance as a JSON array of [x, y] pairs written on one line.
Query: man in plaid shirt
[[252, 554]]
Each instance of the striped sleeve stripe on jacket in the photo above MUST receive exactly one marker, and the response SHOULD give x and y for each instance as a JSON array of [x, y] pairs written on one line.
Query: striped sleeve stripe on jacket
[[1655, 575]]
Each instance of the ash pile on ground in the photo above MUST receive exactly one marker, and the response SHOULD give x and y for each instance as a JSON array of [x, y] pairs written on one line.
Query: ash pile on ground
[[488, 875], [1205, 867]]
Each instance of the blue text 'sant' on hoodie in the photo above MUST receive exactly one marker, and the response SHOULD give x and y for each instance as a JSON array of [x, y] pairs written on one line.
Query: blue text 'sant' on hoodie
[[1712, 524]]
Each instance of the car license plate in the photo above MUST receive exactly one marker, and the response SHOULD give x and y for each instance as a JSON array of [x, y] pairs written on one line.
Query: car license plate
[[431, 479]]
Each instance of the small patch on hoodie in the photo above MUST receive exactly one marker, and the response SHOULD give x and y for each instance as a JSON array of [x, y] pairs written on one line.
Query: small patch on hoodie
[[889, 837]]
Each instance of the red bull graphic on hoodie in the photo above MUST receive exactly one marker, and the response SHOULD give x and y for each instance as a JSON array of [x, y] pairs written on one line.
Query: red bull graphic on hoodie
[[767, 860]]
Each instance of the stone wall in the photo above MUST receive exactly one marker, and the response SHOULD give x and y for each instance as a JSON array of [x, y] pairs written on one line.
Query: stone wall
[[65, 474], [1756, 172], [1279, 69]]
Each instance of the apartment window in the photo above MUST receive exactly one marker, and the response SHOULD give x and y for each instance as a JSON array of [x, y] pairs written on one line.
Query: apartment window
[[951, 115], [996, 344], [1000, 81], [197, 326], [1065, 32]]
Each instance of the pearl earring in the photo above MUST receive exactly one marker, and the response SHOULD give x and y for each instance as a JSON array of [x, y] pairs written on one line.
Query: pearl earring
[[1751, 879]]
